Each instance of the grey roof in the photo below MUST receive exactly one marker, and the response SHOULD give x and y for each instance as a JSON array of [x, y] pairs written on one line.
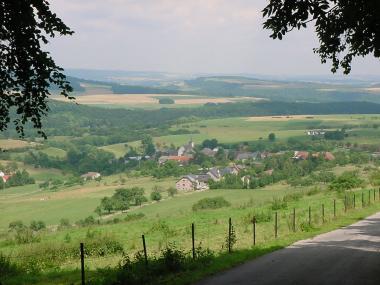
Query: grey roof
[[247, 155]]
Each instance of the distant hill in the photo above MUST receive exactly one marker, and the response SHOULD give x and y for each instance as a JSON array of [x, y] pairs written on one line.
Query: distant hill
[[237, 86]]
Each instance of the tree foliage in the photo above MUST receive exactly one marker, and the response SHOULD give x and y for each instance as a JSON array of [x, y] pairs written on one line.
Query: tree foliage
[[345, 28], [26, 70]]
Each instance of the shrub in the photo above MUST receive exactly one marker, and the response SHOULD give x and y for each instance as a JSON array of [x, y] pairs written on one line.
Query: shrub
[[211, 203], [37, 225], [166, 101], [26, 236], [16, 226], [155, 195]]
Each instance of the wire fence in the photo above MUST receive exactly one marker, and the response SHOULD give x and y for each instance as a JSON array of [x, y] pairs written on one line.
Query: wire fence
[[229, 234]]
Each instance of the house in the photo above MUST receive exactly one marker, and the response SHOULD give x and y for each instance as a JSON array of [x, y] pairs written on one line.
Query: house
[[91, 175], [328, 156], [244, 156], [187, 149], [209, 152], [234, 170], [181, 160], [301, 155], [192, 182], [214, 174], [315, 132]]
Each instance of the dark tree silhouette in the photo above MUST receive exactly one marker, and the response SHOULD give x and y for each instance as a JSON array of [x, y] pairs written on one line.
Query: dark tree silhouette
[[27, 71], [345, 28]]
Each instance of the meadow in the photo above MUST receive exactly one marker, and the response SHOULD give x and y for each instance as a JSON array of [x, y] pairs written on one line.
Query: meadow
[[363, 130]]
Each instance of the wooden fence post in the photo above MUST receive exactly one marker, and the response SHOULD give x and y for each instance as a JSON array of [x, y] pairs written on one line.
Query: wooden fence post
[[82, 262], [354, 201], [334, 208], [294, 219], [323, 213], [193, 239], [309, 216], [275, 225], [254, 230], [345, 203], [145, 253], [229, 234]]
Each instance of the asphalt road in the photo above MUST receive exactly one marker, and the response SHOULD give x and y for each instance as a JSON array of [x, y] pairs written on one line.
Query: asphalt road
[[350, 255]]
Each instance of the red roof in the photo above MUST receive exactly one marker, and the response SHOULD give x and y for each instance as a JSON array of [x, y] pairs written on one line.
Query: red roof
[[329, 156], [179, 158]]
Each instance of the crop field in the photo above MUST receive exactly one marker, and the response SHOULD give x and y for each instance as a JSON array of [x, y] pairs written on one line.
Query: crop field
[[151, 101], [14, 144]]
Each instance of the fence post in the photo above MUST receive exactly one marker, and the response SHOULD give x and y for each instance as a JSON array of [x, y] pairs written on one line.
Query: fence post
[[309, 216], [229, 234], [334, 208], [379, 194], [345, 203], [275, 225], [323, 213], [193, 239], [362, 199], [354, 201], [374, 195], [294, 219], [145, 253], [82, 262], [254, 230]]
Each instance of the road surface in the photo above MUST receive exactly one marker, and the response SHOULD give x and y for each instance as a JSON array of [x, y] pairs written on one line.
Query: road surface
[[350, 255]]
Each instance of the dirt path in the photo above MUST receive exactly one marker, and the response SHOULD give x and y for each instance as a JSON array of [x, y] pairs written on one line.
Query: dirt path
[[350, 255]]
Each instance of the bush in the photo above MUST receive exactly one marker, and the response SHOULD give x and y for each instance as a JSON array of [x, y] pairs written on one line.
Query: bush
[[37, 225], [211, 203], [155, 195], [166, 101]]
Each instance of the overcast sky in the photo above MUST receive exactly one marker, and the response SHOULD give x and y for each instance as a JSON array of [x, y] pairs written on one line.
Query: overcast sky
[[186, 36]]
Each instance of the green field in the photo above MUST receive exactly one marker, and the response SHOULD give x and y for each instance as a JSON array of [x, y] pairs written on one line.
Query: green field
[[234, 130]]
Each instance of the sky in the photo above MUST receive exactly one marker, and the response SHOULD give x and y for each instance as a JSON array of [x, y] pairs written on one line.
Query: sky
[[184, 36]]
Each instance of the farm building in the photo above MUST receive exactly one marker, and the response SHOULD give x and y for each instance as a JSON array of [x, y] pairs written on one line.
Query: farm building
[[244, 156], [192, 182], [90, 175]]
